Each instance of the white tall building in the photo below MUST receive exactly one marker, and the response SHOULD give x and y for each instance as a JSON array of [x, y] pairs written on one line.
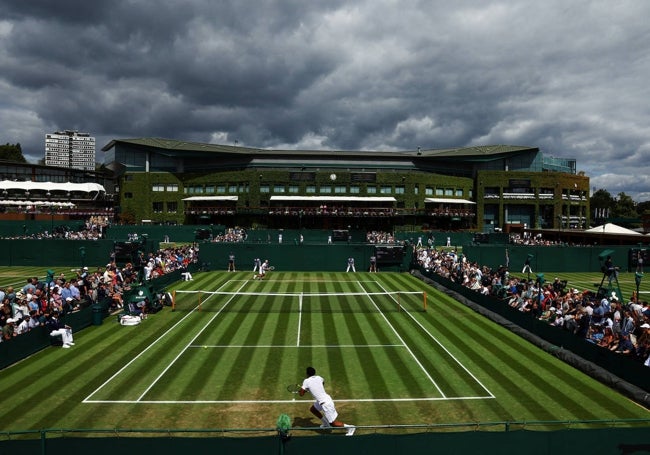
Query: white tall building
[[70, 149]]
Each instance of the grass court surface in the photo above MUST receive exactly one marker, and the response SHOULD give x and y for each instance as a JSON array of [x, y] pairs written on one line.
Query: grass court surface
[[224, 358]]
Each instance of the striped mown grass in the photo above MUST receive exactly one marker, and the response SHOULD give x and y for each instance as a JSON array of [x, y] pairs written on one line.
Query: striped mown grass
[[228, 365]]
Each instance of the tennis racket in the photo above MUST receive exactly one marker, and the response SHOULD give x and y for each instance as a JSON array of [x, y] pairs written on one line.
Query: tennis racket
[[294, 388], [271, 268]]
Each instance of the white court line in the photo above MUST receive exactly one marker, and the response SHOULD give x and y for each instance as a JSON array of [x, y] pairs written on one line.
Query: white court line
[[87, 399], [405, 345], [299, 320], [307, 280], [186, 347], [322, 346], [443, 347], [301, 402], [171, 329]]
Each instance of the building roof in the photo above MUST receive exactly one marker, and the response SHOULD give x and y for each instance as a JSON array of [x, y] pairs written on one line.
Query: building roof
[[172, 145]]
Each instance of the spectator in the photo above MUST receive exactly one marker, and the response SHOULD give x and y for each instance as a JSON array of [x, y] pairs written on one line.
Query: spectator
[[624, 346], [23, 326], [8, 330]]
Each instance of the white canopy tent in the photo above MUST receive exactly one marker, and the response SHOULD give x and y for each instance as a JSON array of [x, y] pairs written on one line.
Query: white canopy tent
[[7, 185], [37, 203], [334, 198], [611, 228], [442, 200], [211, 198]]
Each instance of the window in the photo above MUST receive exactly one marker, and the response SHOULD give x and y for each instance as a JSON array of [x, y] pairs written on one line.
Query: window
[[354, 189], [172, 187], [232, 189], [209, 189], [294, 189], [449, 192], [340, 189], [310, 189], [399, 189], [172, 207], [459, 193], [439, 192], [221, 189], [386, 190], [278, 189], [428, 191], [416, 189], [158, 187], [128, 195], [264, 189], [157, 207], [371, 190], [325, 189]]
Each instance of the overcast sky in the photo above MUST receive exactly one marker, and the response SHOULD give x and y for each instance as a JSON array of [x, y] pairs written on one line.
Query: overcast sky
[[570, 77]]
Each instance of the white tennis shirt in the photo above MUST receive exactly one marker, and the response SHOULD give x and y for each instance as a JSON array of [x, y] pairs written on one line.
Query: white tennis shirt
[[316, 386]]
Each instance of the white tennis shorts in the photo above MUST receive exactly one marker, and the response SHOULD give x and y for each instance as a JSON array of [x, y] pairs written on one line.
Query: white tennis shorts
[[328, 409]]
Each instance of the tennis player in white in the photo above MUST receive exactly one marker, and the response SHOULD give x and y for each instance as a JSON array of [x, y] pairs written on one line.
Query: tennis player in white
[[323, 406]]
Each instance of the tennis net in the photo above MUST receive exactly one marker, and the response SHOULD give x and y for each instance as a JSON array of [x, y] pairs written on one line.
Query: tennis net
[[288, 302]]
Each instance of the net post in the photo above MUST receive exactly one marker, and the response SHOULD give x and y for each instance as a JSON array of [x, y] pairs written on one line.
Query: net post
[[425, 300], [174, 300]]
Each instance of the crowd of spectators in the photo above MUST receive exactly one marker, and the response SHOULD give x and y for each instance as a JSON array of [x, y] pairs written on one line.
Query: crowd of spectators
[[40, 303], [622, 327], [235, 234], [168, 260], [529, 239], [380, 237], [94, 229]]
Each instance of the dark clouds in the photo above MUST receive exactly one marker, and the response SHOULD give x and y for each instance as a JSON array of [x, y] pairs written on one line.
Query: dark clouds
[[567, 77]]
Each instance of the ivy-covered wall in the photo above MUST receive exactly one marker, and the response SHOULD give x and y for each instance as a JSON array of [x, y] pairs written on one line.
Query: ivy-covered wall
[[137, 195], [569, 196]]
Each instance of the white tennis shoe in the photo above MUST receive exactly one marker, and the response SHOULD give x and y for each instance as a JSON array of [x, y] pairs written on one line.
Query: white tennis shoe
[[351, 430]]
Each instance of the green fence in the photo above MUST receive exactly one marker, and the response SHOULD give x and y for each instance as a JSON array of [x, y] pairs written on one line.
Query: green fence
[[291, 257], [546, 258], [54, 252], [28, 227], [435, 439]]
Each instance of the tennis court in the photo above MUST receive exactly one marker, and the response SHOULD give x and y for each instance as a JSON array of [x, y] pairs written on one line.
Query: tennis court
[[231, 332], [224, 357]]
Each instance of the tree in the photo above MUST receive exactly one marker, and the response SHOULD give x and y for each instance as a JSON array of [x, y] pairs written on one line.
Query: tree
[[643, 208], [11, 152], [624, 207], [602, 204]]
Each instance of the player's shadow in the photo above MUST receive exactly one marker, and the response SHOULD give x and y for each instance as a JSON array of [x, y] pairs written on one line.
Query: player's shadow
[[302, 422]]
